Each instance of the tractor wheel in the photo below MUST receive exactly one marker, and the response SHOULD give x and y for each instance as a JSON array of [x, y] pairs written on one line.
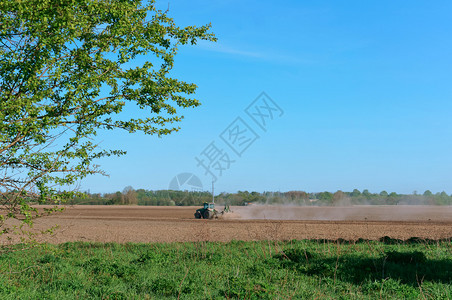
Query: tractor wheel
[[198, 215], [207, 214]]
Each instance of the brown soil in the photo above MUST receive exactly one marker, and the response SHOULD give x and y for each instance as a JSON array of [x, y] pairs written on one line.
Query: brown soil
[[177, 224]]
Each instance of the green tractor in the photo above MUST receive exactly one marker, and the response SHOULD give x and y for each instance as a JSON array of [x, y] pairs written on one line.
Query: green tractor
[[209, 211]]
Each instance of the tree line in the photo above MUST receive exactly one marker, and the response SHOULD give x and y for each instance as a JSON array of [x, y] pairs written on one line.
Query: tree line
[[130, 196]]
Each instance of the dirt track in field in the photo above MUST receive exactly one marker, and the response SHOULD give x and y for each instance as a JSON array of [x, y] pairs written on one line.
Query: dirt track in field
[[177, 224]]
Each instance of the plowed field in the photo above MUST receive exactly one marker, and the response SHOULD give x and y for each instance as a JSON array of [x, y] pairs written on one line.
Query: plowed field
[[177, 224]]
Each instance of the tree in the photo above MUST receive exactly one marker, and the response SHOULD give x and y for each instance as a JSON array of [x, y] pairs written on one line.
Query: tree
[[338, 197], [130, 196], [443, 199], [325, 198], [428, 193], [355, 193], [393, 199], [366, 193], [384, 194], [297, 197], [68, 69]]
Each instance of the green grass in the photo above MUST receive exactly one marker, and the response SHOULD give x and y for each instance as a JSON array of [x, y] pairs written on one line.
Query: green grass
[[387, 269]]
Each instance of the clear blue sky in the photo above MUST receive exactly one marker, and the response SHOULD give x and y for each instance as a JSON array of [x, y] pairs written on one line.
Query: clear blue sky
[[365, 87]]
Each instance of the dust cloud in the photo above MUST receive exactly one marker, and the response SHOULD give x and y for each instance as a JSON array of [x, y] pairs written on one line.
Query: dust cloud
[[346, 213]]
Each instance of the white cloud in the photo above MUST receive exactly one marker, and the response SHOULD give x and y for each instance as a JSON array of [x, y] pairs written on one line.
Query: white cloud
[[267, 56]]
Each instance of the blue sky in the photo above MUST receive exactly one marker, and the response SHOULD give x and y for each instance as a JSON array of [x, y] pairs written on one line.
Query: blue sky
[[365, 87]]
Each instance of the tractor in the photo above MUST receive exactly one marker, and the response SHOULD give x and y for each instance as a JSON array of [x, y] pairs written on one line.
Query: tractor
[[209, 211]]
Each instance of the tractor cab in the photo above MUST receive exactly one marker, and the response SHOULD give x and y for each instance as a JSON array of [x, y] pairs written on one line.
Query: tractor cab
[[209, 205]]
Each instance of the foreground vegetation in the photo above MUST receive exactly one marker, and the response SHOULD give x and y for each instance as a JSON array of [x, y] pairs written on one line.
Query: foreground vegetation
[[241, 270]]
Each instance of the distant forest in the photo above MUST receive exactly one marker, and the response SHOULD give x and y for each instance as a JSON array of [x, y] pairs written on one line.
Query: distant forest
[[130, 196]]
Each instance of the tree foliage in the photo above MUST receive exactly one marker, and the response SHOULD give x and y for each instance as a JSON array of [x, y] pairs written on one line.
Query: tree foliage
[[68, 69]]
